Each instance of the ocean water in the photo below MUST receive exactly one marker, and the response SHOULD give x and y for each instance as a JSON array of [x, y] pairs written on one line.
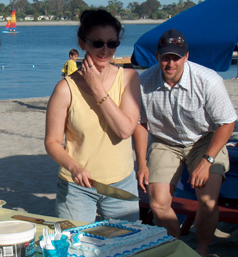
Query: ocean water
[[31, 61]]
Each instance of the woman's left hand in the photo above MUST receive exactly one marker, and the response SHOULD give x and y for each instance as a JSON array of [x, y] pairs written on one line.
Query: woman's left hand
[[89, 72]]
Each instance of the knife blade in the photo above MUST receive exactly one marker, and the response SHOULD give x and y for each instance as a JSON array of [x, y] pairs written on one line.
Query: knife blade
[[113, 192]]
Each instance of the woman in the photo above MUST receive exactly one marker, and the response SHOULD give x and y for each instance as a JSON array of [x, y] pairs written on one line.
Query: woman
[[97, 109]]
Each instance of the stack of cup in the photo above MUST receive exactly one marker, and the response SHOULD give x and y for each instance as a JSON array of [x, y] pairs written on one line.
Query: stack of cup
[[61, 248]]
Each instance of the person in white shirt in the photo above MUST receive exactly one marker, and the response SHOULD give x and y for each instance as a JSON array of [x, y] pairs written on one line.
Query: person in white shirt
[[190, 117]]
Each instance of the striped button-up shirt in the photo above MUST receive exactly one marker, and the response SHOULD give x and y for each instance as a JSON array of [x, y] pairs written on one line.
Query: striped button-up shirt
[[190, 110]]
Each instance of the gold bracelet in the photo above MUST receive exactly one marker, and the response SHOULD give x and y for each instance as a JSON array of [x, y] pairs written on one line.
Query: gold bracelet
[[103, 100]]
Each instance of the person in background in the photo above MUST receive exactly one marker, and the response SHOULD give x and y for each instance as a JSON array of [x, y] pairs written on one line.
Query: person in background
[[70, 66], [190, 117], [97, 109]]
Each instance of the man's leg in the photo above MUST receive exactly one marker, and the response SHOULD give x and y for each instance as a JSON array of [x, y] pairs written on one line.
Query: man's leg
[[160, 202], [207, 214]]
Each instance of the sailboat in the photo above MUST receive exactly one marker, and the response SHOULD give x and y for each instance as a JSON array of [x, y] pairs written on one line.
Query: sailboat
[[11, 24]]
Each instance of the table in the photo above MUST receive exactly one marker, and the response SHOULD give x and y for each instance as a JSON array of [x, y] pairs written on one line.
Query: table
[[172, 249]]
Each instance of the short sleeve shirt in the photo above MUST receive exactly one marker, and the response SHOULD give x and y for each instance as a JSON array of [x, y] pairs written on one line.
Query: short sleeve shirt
[[190, 110], [69, 67]]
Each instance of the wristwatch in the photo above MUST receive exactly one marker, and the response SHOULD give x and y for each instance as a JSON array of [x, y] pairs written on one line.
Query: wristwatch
[[210, 159]]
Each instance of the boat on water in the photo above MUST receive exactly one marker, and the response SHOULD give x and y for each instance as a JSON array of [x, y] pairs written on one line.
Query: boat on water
[[11, 26]]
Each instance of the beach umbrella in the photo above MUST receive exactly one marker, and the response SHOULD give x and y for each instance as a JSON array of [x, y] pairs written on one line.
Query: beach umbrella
[[210, 28]]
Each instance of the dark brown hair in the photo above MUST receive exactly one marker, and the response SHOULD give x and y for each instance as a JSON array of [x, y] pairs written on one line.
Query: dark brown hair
[[99, 17], [73, 52]]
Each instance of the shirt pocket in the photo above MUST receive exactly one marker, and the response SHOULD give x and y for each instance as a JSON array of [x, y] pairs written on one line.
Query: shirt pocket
[[194, 120]]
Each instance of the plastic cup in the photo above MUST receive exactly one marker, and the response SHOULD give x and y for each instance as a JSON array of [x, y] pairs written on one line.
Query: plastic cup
[[61, 248], [60, 251]]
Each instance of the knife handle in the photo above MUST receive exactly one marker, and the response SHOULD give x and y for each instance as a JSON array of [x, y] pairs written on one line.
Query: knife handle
[[27, 218], [92, 182]]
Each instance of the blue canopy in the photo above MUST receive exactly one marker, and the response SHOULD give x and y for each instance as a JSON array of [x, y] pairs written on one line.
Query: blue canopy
[[210, 28]]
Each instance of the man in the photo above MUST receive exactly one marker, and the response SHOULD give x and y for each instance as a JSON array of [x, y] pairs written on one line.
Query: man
[[190, 117]]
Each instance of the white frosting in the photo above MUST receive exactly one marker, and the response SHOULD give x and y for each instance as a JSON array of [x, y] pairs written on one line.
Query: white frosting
[[139, 238]]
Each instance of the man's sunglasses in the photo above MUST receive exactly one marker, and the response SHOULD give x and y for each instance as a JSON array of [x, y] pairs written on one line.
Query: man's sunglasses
[[176, 41], [99, 43]]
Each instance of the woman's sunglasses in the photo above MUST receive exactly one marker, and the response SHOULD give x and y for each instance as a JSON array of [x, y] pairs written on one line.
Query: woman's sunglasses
[[99, 43], [176, 41]]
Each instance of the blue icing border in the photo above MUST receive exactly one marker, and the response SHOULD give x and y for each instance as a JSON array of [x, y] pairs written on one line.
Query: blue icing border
[[119, 239], [103, 223], [136, 250]]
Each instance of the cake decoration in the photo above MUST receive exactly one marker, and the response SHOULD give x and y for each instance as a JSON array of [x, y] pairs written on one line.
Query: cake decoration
[[114, 238]]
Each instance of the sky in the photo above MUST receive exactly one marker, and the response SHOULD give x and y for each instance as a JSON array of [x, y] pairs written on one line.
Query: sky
[[105, 2]]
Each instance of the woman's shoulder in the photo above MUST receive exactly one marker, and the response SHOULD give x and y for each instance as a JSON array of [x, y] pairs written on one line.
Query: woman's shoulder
[[61, 92], [130, 73]]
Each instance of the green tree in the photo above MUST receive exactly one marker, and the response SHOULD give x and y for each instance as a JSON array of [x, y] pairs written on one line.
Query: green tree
[[36, 15], [77, 4], [159, 15], [2, 7], [116, 6], [188, 5], [112, 9], [144, 10], [131, 6], [153, 6], [59, 15], [19, 5]]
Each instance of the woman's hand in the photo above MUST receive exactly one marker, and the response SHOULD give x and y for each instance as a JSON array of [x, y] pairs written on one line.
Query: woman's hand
[[90, 73], [81, 177]]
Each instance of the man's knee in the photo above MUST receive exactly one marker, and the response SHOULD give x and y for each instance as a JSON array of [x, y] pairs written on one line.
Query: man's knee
[[160, 207], [207, 205]]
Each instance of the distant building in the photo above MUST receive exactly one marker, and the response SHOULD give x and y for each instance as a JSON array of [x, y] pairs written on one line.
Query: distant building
[[43, 17], [29, 18]]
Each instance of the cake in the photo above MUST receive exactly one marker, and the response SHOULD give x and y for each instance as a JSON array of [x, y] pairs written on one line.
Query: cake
[[114, 238]]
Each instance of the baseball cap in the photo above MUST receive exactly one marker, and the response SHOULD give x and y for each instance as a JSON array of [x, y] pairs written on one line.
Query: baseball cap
[[172, 42]]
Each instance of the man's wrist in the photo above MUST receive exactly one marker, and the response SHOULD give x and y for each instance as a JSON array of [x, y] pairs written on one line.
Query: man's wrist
[[209, 158]]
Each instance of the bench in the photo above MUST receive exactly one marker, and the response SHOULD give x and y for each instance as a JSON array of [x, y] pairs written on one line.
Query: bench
[[228, 211]]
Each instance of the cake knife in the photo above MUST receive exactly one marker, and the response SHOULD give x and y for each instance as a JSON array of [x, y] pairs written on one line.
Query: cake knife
[[113, 192]]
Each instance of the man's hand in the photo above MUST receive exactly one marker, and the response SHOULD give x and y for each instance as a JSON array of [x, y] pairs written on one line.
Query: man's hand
[[200, 174], [143, 177]]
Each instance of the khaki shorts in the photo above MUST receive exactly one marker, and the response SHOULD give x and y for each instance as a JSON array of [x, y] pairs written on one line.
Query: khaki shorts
[[166, 162]]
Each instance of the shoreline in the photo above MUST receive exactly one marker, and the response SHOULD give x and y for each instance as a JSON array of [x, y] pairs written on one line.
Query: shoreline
[[76, 23]]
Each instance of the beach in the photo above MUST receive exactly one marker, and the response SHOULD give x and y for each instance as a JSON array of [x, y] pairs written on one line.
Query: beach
[[28, 175], [76, 23]]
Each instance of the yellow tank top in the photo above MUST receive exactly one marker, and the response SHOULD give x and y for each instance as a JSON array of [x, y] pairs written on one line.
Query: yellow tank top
[[90, 141]]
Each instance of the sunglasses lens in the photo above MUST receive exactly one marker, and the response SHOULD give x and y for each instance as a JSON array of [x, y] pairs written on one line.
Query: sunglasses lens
[[178, 41], [113, 44], [98, 44]]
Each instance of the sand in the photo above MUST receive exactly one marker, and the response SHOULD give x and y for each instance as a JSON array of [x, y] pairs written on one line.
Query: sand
[[76, 23], [28, 175]]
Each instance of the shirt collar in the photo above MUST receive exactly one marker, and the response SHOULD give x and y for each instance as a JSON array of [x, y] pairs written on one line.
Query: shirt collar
[[182, 82]]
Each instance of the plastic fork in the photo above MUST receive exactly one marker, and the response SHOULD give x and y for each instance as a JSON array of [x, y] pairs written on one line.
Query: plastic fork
[[57, 231], [48, 244]]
